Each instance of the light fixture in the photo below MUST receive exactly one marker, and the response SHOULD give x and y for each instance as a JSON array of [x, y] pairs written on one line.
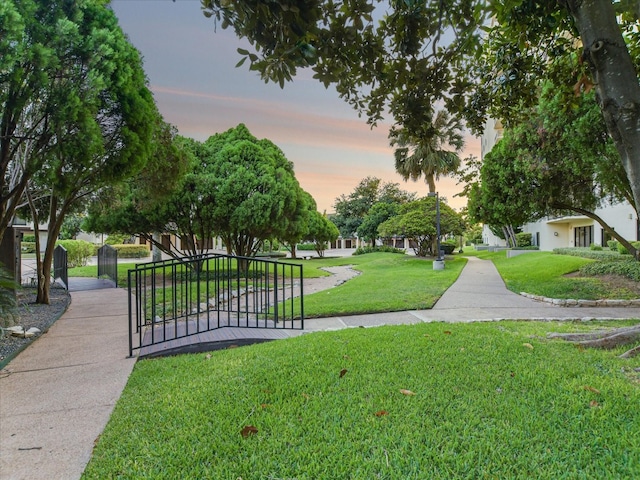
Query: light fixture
[[555, 234]]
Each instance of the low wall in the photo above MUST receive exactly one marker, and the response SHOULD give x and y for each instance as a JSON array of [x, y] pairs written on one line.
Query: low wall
[[515, 253]]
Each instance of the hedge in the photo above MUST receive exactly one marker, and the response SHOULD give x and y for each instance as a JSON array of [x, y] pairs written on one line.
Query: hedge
[[28, 247], [127, 250], [627, 268], [610, 256], [78, 252], [380, 248]]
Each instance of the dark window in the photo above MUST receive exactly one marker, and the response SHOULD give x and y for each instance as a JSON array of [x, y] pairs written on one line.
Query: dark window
[[583, 236]]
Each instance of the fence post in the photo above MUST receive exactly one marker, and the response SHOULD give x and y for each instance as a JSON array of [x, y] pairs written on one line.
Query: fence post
[[108, 263], [60, 269]]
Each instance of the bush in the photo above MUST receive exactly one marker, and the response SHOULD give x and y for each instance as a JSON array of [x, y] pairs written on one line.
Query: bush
[[306, 246], [28, 238], [595, 247], [627, 268], [78, 252], [271, 255], [612, 244], [28, 247], [448, 246], [623, 250], [592, 254], [529, 247], [381, 248], [523, 239], [117, 239], [132, 251]]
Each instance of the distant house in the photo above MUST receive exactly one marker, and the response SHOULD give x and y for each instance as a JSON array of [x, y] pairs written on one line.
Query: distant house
[[569, 231]]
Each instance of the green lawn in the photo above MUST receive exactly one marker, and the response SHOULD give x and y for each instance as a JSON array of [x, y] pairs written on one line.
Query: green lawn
[[389, 282], [543, 273], [400, 282], [490, 400]]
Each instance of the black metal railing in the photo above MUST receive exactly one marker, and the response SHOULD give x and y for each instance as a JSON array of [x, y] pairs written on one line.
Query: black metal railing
[[175, 299], [60, 266], [108, 263]]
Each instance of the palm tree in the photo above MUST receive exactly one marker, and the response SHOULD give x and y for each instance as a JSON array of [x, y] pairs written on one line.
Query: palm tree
[[423, 153]]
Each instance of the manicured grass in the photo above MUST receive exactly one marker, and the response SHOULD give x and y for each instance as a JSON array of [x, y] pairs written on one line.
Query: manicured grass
[[92, 271], [492, 400], [543, 273], [389, 282]]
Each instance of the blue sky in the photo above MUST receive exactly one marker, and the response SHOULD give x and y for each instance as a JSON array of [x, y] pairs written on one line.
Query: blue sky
[[191, 71]]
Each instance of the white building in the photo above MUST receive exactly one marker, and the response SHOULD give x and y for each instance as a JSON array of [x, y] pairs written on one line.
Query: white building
[[570, 231]]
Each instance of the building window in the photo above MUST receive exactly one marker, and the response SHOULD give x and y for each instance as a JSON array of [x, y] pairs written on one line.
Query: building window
[[583, 236]]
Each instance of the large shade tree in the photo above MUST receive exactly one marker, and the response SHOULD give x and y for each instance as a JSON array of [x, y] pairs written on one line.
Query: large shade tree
[[417, 222], [77, 113], [255, 195], [351, 209], [560, 161], [236, 187], [404, 57]]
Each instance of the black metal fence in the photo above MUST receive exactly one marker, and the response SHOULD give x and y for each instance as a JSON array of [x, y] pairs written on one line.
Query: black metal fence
[[176, 299], [60, 266], [108, 263]]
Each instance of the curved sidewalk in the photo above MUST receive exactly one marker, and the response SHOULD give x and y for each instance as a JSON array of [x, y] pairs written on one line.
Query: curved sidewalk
[[479, 294], [57, 395]]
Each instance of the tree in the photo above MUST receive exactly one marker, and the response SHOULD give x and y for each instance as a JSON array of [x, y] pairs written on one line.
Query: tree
[[77, 113], [422, 53], [183, 211], [71, 226], [427, 155], [299, 225], [416, 221], [255, 195], [322, 231], [560, 160], [351, 209], [380, 212]]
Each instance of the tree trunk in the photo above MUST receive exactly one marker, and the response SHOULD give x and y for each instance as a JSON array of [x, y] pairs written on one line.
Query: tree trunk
[[156, 252], [607, 228], [607, 339], [615, 78], [431, 182]]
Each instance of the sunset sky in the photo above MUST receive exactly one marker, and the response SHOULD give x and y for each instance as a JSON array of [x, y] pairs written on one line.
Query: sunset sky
[[191, 71]]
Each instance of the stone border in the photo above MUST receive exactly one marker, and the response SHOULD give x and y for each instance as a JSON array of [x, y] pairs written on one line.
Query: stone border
[[570, 302]]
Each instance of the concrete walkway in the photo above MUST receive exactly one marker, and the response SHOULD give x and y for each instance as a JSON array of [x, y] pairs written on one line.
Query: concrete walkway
[[57, 395]]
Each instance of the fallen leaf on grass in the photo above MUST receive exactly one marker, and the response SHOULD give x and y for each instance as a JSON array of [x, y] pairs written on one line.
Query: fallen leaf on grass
[[208, 357], [591, 389], [382, 413], [593, 404], [346, 357], [447, 332], [343, 372], [406, 392], [248, 430], [528, 345], [265, 405], [307, 396]]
